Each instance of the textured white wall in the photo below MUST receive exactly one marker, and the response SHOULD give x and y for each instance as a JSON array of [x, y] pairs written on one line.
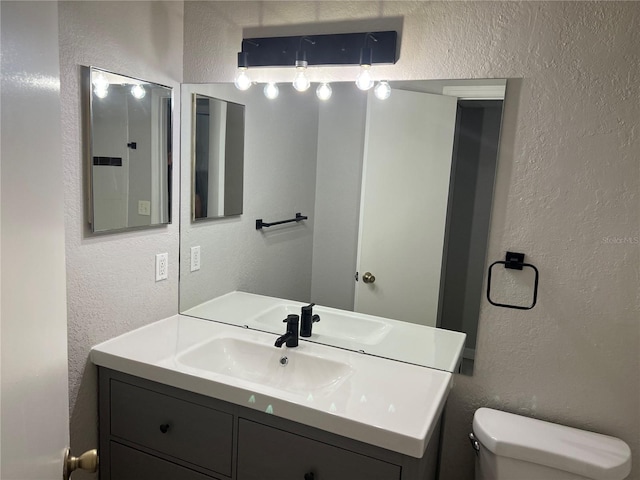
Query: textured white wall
[[111, 284], [566, 192]]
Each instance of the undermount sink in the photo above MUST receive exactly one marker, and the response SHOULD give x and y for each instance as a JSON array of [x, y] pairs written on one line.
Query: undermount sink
[[333, 323], [285, 369]]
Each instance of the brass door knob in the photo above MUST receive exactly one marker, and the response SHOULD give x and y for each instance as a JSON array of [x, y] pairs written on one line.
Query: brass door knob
[[88, 462], [368, 277]]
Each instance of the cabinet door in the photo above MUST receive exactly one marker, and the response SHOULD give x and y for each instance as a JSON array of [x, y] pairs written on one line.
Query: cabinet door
[[130, 464], [268, 453]]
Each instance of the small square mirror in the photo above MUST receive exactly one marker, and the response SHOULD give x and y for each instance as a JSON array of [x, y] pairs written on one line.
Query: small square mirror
[[128, 143], [218, 158]]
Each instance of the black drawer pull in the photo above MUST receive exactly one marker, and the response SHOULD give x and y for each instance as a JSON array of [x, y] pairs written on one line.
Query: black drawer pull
[[164, 428], [309, 476]]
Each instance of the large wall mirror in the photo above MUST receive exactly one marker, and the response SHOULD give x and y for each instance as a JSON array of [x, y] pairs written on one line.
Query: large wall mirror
[[397, 189], [128, 150]]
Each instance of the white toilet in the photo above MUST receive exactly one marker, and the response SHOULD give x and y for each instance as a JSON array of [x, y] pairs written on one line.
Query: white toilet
[[512, 447]]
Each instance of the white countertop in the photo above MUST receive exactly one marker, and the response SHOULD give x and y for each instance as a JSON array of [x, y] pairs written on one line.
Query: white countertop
[[386, 403]]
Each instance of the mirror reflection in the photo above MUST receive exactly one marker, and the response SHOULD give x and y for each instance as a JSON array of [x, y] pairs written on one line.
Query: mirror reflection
[[398, 197], [129, 151], [218, 157]]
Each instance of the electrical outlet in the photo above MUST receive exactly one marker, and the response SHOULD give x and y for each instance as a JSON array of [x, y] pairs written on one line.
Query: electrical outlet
[[144, 207], [162, 266], [195, 258]]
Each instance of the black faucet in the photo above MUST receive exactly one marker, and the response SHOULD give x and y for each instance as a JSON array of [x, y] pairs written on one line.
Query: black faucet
[[307, 319], [291, 336]]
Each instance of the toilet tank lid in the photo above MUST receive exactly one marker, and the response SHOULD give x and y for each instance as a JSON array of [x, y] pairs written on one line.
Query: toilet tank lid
[[589, 454]]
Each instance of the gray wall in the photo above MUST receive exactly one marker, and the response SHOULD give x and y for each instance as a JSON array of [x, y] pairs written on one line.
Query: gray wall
[[111, 284], [138, 115], [110, 184], [117, 189], [566, 192], [310, 261], [338, 180], [482, 215], [279, 180], [473, 175]]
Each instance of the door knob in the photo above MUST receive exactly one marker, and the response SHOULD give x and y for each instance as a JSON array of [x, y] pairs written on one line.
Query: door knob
[[368, 277], [88, 462]]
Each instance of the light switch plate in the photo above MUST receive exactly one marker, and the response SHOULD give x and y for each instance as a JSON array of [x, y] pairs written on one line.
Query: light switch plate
[[162, 266], [195, 258], [144, 207]]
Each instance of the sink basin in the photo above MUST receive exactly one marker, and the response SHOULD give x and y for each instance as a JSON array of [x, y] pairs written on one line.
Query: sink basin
[[383, 337], [339, 324], [285, 369]]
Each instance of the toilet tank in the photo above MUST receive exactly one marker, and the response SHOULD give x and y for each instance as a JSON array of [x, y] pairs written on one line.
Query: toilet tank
[[513, 447]]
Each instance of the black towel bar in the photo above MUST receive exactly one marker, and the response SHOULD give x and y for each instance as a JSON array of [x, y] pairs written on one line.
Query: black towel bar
[[260, 223]]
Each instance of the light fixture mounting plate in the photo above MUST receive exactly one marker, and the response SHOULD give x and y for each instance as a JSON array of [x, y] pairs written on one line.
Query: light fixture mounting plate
[[332, 49]]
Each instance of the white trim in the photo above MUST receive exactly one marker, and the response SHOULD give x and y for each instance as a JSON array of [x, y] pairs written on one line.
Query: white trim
[[159, 156], [475, 92]]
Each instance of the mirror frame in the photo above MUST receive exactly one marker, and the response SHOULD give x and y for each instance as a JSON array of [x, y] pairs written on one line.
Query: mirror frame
[[87, 140], [194, 99]]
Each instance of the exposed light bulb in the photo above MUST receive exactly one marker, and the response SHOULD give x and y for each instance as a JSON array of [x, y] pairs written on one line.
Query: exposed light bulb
[[101, 92], [100, 81], [364, 80], [323, 92], [138, 91], [271, 90], [382, 90], [301, 82], [100, 84], [242, 80]]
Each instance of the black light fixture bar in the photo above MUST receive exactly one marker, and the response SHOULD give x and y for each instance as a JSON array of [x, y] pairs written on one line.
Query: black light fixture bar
[[334, 49]]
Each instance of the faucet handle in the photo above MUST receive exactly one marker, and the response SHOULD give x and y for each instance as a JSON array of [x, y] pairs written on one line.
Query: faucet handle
[[292, 319]]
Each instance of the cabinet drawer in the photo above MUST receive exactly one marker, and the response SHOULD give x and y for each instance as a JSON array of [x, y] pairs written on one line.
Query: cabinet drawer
[[184, 430], [130, 464], [266, 453]]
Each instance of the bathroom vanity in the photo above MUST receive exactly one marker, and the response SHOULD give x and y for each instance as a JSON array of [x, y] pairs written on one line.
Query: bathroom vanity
[[156, 432], [186, 398]]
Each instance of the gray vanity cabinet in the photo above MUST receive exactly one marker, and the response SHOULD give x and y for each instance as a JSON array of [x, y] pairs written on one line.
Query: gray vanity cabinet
[[130, 464], [265, 452], [185, 430], [150, 431]]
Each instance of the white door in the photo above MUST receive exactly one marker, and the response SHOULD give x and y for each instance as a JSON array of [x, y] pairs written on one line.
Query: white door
[[34, 393], [405, 189]]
